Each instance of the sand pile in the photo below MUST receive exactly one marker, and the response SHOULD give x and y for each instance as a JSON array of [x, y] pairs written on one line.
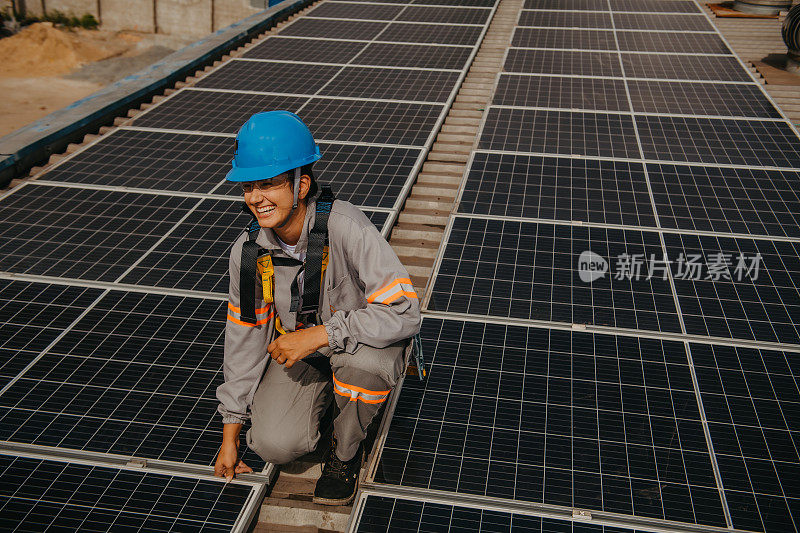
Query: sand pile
[[42, 50]]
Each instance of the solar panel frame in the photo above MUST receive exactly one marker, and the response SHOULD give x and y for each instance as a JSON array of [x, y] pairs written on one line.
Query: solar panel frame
[[299, 49], [601, 94], [764, 309], [562, 62], [422, 33], [414, 55], [646, 21], [149, 160], [368, 176], [212, 111], [355, 30], [392, 84], [33, 316], [726, 200], [269, 77], [724, 99], [765, 143], [346, 10], [40, 493], [748, 396], [565, 39], [674, 42], [564, 19], [569, 5], [559, 132], [83, 233], [195, 255], [444, 15], [675, 67], [655, 6], [507, 437], [380, 122], [593, 191], [526, 270], [135, 376], [376, 513]]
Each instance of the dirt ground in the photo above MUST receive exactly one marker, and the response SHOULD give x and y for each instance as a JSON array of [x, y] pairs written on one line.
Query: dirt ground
[[44, 68]]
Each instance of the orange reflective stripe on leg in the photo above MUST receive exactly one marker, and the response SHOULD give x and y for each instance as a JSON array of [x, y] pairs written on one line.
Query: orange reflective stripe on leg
[[358, 393]]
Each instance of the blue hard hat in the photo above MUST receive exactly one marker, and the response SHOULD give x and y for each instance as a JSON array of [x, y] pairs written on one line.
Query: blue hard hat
[[269, 144]]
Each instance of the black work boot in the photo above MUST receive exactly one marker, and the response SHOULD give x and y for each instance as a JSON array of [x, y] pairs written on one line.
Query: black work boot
[[339, 480]]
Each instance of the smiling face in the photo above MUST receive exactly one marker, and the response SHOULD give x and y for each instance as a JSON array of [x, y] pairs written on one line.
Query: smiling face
[[271, 200]]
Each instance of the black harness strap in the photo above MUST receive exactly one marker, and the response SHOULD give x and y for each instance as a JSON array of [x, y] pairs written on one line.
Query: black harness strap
[[247, 274], [317, 240]]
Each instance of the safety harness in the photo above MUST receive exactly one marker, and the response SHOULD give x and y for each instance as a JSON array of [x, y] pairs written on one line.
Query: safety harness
[[254, 258]]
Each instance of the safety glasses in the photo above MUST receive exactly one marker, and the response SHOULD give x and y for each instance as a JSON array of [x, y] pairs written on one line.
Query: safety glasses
[[264, 185]]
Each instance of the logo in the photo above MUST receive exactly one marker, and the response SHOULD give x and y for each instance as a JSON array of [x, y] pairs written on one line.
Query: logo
[[591, 266]]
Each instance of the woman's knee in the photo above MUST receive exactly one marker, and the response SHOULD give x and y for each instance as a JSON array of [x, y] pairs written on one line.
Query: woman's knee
[[279, 445]]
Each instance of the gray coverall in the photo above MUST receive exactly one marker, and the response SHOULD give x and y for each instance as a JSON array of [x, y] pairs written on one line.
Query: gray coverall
[[368, 307]]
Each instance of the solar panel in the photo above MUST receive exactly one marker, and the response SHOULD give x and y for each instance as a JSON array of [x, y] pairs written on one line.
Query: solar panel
[[136, 376], [82, 233], [582, 5], [561, 38], [150, 160], [355, 30], [557, 92], [366, 175], [425, 33], [558, 417], [413, 55], [750, 399], [733, 99], [529, 270], [344, 10], [721, 141], [646, 21], [669, 67], [195, 255], [655, 6], [563, 62], [559, 132], [444, 15], [378, 219], [298, 49], [678, 42], [380, 514], [473, 3], [269, 76], [33, 316], [610, 192], [745, 302], [212, 111], [727, 200], [564, 19], [376, 122], [393, 84], [43, 494]]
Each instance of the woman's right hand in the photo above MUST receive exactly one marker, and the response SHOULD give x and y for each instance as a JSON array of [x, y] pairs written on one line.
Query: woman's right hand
[[228, 463]]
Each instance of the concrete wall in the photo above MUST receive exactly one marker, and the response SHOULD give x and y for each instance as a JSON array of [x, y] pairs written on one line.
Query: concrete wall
[[191, 18], [118, 15]]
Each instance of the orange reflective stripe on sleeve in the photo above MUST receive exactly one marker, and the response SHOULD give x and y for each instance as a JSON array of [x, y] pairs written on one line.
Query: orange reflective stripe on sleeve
[[233, 311], [239, 311], [393, 291]]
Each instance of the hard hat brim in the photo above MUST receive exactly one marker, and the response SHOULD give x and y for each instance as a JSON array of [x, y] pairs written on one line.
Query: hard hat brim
[[242, 174]]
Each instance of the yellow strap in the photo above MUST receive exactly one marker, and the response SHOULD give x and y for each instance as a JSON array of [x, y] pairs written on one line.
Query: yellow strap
[[267, 271]]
